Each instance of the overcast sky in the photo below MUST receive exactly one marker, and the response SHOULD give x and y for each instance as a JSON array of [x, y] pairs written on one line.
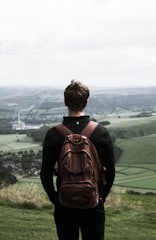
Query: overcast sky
[[99, 42]]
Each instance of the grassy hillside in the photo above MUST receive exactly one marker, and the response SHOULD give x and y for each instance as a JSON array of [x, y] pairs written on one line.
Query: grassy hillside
[[138, 150], [26, 212], [136, 167], [127, 217], [127, 127]]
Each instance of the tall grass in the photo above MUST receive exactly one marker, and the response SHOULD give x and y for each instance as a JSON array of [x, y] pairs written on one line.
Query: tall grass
[[23, 215], [30, 195], [127, 217], [27, 195]]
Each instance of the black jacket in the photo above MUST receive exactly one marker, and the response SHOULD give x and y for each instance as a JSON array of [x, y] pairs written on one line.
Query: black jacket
[[51, 149]]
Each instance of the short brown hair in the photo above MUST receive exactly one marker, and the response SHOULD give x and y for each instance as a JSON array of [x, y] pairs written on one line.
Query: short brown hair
[[76, 95]]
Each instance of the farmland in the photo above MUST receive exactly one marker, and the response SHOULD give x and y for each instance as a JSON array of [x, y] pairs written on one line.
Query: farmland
[[127, 206], [136, 166], [9, 142]]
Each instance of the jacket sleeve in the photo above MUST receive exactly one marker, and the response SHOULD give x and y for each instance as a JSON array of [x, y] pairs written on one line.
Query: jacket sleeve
[[108, 161], [50, 155], [104, 145]]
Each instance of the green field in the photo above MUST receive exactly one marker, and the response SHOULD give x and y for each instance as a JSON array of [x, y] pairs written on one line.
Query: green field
[[26, 212], [136, 167], [127, 217], [140, 150], [9, 142]]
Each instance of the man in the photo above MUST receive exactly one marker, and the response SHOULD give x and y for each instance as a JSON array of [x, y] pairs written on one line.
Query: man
[[70, 220]]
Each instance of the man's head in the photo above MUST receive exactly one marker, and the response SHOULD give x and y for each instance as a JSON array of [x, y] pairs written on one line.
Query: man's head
[[76, 95]]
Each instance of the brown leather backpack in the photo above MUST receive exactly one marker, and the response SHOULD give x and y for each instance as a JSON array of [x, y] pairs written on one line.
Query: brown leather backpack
[[79, 169]]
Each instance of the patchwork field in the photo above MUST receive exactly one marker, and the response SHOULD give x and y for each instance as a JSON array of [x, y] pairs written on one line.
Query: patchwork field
[[140, 179], [135, 173], [136, 168]]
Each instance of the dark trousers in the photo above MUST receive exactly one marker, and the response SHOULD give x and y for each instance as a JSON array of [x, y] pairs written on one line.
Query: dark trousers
[[90, 222]]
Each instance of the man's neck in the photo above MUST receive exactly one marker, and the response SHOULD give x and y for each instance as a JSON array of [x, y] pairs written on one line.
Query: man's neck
[[75, 114]]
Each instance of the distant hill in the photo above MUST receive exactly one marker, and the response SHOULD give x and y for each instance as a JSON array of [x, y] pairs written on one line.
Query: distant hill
[[102, 100]]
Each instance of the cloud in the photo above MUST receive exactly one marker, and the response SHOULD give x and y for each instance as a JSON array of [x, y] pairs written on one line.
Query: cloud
[[50, 42]]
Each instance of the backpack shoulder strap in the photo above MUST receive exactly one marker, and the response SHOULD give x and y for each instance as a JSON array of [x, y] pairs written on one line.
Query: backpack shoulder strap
[[87, 131], [64, 131], [90, 127]]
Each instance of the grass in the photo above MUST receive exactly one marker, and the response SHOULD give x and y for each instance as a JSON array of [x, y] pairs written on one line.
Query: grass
[[127, 217], [133, 125], [27, 214], [137, 164], [149, 183], [138, 149], [27, 194], [140, 178], [24, 224], [8, 142]]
